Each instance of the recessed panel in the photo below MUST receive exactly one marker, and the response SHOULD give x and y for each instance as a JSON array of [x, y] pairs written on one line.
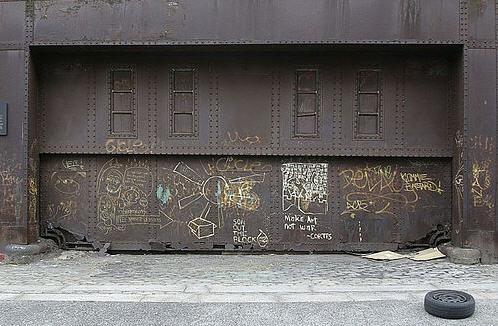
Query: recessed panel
[[245, 106]]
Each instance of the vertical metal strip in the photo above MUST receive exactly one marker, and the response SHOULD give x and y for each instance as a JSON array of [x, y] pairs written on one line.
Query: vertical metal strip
[[465, 147], [464, 20]]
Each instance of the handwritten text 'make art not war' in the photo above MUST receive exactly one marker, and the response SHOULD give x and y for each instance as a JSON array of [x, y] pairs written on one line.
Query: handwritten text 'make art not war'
[[306, 224]]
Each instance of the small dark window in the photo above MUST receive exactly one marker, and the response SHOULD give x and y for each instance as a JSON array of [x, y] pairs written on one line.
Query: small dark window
[[306, 103], [368, 110], [182, 85], [122, 102]]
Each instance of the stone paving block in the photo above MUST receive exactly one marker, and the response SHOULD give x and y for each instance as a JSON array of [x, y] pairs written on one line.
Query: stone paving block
[[118, 288], [238, 297], [197, 288], [376, 296], [372, 288], [30, 288], [81, 297], [172, 297], [8, 296], [313, 297], [275, 288]]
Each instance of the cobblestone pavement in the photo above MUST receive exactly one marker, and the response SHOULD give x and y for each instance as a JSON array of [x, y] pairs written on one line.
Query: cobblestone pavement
[[88, 276]]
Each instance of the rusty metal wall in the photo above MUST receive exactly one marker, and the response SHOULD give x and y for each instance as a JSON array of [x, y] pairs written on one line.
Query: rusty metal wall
[[60, 24], [242, 21], [12, 171], [245, 103], [241, 202]]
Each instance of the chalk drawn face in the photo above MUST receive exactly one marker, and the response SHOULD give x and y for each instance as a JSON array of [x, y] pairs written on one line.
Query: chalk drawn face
[[113, 182], [131, 196], [65, 183]]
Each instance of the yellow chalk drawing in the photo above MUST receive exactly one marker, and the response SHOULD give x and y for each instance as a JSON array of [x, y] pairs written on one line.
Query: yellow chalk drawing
[[382, 189], [124, 196], [235, 137], [125, 146], [218, 193], [11, 191], [481, 184]]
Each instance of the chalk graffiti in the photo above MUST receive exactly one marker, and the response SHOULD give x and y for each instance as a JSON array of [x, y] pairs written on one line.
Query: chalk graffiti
[[11, 192], [125, 146], [458, 180], [63, 210], [483, 143], [481, 184], [304, 186], [201, 227], [419, 182], [73, 165], [207, 194], [124, 194], [382, 189], [65, 182], [33, 199], [163, 194], [235, 137], [231, 164], [240, 234], [307, 224]]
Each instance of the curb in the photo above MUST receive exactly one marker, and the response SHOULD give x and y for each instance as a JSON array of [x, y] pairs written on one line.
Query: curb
[[458, 255]]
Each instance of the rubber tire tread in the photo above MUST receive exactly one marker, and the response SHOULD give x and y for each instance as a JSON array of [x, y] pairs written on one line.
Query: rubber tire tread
[[449, 310]]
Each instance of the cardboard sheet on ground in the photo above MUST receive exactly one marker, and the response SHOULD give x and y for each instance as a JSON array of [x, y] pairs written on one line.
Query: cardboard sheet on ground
[[385, 255], [428, 254], [423, 255]]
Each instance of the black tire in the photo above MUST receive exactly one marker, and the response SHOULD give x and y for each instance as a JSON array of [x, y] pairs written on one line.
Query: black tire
[[449, 304]]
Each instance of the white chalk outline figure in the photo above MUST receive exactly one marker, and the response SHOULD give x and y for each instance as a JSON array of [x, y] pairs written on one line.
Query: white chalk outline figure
[[201, 221], [210, 189], [310, 187]]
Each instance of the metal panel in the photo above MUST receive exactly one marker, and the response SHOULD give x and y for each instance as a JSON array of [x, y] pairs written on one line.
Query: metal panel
[[244, 103], [64, 103], [237, 202], [4, 120], [482, 20], [12, 22], [71, 20], [427, 118], [12, 160], [481, 140]]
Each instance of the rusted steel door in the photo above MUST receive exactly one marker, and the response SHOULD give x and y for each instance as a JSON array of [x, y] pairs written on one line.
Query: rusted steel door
[[246, 151]]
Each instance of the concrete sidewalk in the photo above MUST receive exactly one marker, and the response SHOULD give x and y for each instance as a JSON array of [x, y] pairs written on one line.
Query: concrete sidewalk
[[87, 276]]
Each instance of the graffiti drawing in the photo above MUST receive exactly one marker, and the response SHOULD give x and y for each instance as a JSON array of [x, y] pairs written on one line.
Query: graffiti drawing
[[482, 184], [235, 137], [383, 189], [63, 210], [242, 236], [304, 186], [200, 227], [11, 192], [124, 194], [202, 197]]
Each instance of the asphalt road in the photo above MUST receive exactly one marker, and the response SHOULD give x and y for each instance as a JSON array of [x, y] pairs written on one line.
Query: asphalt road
[[369, 313]]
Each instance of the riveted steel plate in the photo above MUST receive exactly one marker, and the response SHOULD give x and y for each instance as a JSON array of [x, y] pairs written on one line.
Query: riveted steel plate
[[242, 202]]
